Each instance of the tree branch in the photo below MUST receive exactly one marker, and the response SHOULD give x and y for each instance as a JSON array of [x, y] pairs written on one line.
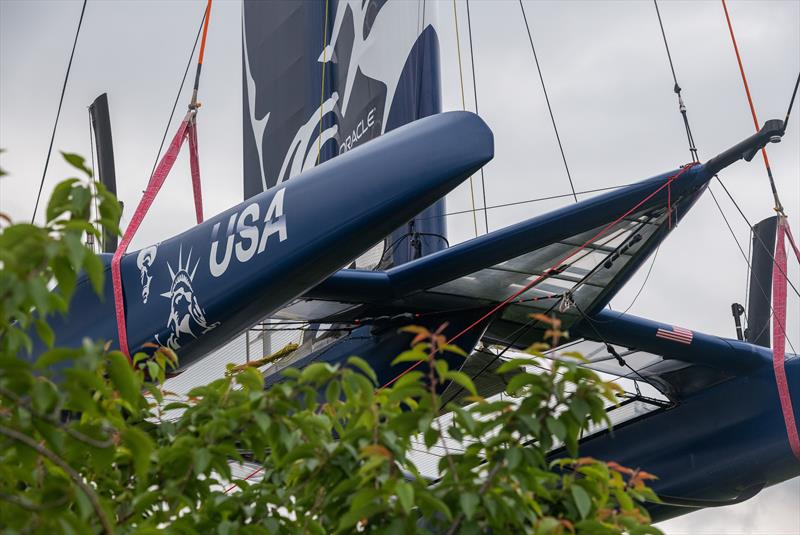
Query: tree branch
[[74, 433], [31, 506], [75, 476]]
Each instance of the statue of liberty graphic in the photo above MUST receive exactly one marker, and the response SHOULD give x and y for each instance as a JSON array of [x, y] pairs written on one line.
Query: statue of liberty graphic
[[186, 317]]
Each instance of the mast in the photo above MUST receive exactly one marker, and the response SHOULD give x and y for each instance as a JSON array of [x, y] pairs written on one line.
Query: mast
[[101, 124]]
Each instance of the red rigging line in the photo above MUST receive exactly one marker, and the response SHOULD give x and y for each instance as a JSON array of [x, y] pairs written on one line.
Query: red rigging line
[[778, 205], [551, 270]]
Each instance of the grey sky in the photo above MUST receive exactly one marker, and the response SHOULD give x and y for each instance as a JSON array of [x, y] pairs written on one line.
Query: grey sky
[[608, 80]]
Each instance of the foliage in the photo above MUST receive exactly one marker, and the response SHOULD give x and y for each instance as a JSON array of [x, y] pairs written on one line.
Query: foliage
[[99, 449]]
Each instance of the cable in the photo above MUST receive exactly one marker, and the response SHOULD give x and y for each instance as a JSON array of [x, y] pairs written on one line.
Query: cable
[[58, 113], [760, 241], [322, 89], [677, 89], [528, 201], [475, 93], [613, 352], [547, 100], [791, 101], [178, 96], [464, 107], [646, 278]]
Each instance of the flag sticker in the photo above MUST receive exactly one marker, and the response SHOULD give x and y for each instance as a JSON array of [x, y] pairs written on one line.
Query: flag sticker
[[677, 334]]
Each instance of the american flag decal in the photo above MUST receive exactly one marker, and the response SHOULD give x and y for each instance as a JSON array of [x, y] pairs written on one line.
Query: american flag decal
[[677, 334]]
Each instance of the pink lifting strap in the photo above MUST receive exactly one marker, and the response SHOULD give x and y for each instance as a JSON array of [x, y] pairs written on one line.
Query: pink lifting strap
[[778, 330], [188, 128]]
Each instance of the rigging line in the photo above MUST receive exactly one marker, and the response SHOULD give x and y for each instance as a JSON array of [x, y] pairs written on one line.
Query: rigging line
[[741, 250], [747, 275], [322, 89], [778, 205], [677, 88], [614, 353], [58, 113], [528, 201], [644, 282], [517, 334], [475, 94], [464, 107], [791, 101], [94, 199], [178, 95], [760, 241], [547, 100]]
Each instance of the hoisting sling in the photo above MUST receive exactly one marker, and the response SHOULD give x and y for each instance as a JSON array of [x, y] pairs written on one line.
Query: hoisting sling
[[186, 131]]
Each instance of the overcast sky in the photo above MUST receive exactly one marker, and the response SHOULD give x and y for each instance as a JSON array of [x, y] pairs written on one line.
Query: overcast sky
[[608, 81]]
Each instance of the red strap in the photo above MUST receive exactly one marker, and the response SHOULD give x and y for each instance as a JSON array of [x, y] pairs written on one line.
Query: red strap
[[194, 164], [778, 331], [187, 127]]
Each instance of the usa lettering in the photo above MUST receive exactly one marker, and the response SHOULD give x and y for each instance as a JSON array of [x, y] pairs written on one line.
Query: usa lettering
[[247, 234]]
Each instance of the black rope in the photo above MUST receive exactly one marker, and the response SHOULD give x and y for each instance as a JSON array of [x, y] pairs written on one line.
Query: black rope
[[644, 282], [677, 89], [613, 352], [760, 241], [791, 101], [528, 201], [547, 99], [178, 96], [58, 113], [475, 93]]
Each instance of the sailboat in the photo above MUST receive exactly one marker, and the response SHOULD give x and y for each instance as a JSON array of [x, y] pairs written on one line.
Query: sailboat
[[345, 147]]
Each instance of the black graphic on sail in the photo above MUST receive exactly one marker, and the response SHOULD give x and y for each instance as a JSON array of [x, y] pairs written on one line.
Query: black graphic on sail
[[316, 86]]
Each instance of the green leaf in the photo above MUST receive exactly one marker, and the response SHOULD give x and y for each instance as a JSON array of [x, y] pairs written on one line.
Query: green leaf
[[582, 500], [201, 458], [556, 428], [452, 348], [316, 372], [54, 356], [96, 271], [141, 447], [45, 332], [624, 500], [469, 502], [362, 365], [59, 199], [405, 495], [263, 421], [412, 355], [333, 391], [77, 161], [65, 276], [519, 381], [251, 379], [462, 379], [123, 378]]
